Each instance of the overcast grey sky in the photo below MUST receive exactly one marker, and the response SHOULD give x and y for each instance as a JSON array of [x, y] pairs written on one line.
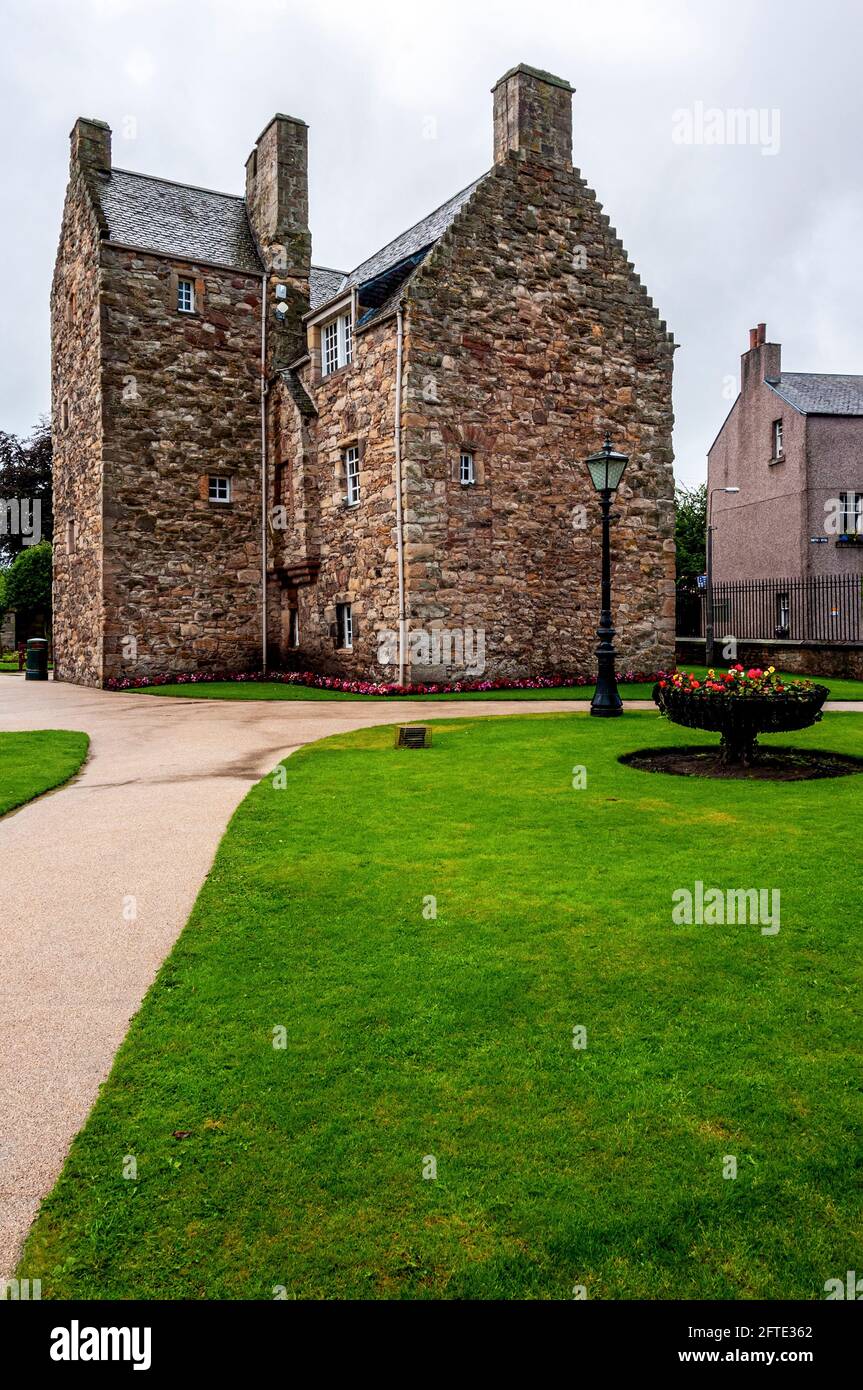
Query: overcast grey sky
[[397, 98]]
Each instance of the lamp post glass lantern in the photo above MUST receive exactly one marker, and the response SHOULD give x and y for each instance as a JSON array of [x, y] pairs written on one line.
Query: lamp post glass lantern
[[606, 471]]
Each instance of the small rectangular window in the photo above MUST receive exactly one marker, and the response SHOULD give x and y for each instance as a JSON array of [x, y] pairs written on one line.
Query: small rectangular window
[[337, 344], [71, 537], [783, 615], [64, 415], [186, 296], [466, 469], [777, 439], [219, 489], [293, 627], [851, 518], [344, 626], [352, 476]]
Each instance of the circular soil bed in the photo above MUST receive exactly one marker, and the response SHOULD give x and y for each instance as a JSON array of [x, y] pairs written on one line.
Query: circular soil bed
[[772, 764]]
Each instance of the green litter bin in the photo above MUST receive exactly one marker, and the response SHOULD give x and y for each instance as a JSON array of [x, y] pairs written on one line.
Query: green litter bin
[[37, 659]]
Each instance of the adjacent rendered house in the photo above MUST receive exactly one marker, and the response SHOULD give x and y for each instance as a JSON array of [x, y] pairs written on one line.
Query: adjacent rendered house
[[375, 473], [793, 444]]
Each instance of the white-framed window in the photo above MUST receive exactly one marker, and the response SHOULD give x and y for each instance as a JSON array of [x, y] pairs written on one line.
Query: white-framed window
[[851, 504], [337, 344], [783, 615], [352, 476], [344, 625], [293, 627], [219, 488], [777, 439], [186, 296], [466, 468]]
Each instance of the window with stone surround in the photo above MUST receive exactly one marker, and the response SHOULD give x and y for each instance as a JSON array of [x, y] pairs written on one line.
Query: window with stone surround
[[71, 537], [776, 438], [293, 627], [337, 344], [466, 468], [185, 296], [344, 626], [219, 488], [352, 476]]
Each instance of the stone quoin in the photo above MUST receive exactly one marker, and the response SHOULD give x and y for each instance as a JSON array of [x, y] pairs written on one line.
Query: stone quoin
[[425, 421]]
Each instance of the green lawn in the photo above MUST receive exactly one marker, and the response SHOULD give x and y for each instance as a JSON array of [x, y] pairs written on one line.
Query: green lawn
[[34, 762], [272, 690], [410, 1036]]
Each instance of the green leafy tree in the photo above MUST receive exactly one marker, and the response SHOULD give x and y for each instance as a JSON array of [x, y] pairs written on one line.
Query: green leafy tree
[[25, 477], [28, 581], [690, 531]]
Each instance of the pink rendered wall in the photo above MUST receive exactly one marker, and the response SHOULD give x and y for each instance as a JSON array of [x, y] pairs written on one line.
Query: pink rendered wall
[[835, 449], [759, 532]]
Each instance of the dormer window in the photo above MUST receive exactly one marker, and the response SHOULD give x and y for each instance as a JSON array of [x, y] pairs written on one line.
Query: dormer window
[[777, 439], [337, 343], [186, 296]]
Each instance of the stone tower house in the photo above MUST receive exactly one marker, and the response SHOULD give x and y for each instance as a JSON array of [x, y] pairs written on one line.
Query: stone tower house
[[375, 473]]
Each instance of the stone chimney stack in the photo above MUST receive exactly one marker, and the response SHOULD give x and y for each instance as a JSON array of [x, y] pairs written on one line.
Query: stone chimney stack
[[533, 116], [91, 145], [277, 201], [763, 361], [277, 195]]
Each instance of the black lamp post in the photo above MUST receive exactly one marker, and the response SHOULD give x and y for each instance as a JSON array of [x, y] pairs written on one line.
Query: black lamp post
[[606, 471]]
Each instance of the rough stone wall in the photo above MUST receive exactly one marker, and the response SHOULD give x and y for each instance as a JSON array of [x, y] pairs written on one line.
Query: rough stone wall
[[355, 547], [528, 336], [182, 575], [76, 434]]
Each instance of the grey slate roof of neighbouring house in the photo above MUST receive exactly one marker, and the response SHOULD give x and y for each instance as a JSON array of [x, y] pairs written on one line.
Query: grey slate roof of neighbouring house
[[820, 393], [178, 220]]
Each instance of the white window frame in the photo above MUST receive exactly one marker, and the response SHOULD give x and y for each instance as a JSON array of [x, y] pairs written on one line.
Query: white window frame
[[466, 468], [344, 626], [783, 610], [184, 284], [293, 628], [352, 476], [778, 444], [851, 513], [337, 343], [219, 488]]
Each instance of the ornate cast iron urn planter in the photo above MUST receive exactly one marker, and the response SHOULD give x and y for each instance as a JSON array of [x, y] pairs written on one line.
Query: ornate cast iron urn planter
[[739, 717]]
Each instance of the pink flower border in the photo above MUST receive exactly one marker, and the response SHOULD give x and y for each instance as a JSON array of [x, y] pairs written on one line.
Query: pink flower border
[[360, 687]]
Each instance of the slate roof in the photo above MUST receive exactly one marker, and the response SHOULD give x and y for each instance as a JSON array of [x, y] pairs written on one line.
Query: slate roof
[[192, 223], [178, 220], [324, 284], [820, 393]]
